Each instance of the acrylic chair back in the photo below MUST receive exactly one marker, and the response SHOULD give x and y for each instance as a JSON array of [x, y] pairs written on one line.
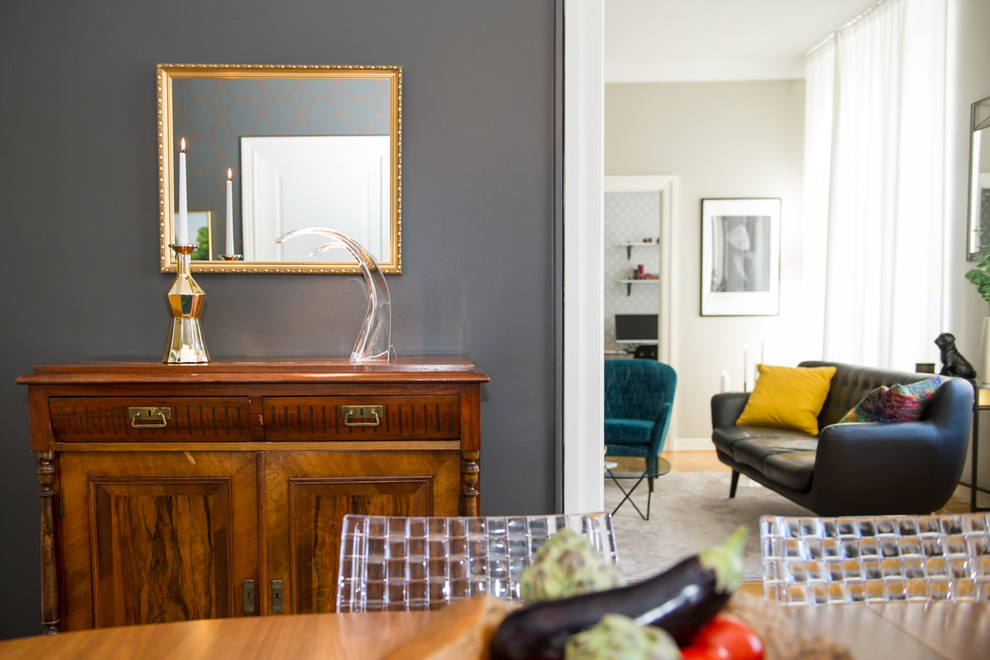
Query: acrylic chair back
[[390, 563]]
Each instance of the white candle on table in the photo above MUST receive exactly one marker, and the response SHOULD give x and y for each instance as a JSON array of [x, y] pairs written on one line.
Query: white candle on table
[[230, 213], [182, 221], [756, 367], [725, 381], [745, 366]]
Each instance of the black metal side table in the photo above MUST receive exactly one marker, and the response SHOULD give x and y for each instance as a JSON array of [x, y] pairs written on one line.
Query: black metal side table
[[980, 402], [663, 467]]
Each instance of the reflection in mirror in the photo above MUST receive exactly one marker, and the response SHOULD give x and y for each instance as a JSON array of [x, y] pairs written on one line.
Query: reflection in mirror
[[979, 178], [306, 145]]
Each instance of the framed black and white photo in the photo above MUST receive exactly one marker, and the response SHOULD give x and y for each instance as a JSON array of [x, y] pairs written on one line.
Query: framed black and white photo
[[740, 257]]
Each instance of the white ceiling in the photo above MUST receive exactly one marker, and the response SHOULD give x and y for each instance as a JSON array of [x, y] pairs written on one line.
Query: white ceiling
[[680, 40]]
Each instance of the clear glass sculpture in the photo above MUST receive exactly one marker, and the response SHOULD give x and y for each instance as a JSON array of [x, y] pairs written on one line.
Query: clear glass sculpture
[[876, 559], [374, 343], [393, 563]]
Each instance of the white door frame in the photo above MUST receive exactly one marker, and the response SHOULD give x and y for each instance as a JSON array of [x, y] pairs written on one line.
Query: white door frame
[[584, 336]]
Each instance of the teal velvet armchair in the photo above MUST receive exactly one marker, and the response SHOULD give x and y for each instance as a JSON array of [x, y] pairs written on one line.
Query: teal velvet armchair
[[639, 396]]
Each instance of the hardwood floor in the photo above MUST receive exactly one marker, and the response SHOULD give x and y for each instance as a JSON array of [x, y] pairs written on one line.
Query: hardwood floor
[[706, 461]]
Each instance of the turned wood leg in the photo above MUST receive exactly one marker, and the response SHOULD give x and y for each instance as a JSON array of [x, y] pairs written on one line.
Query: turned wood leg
[[470, 471], [49, 576], [735, 482]]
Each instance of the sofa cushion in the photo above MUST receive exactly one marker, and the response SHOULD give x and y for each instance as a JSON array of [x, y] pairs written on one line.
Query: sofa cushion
[[898, 403], [788, 398], [851, 383], [628, 431], [863, 411], [792, 469], [754, 451], [786, 459], [726, 437]]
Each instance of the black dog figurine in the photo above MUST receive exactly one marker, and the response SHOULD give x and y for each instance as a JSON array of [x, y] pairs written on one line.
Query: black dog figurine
[[953, 364]]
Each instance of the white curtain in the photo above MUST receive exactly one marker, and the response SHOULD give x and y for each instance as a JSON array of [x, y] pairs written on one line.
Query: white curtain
[[874, 182]]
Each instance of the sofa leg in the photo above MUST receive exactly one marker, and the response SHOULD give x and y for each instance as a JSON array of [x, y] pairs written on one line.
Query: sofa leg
[[735, 482]]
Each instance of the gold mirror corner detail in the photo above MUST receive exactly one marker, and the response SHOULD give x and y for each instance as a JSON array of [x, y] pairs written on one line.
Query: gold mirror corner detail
[[331, 131]]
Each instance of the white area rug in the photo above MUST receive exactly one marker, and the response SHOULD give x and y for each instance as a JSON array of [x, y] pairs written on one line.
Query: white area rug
[[690, 512]]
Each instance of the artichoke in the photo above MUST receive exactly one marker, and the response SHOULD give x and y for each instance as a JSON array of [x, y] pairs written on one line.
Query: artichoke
[[567, 565], [617, 637]]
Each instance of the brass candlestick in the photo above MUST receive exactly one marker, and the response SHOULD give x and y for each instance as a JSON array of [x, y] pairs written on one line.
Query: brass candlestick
[[184, 343], [231, 257]]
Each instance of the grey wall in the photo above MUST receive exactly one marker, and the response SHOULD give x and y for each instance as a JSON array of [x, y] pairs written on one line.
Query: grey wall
[[722, 139], [78, 184]]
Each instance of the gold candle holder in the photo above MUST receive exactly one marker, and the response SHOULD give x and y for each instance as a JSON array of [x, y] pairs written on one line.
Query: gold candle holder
[[230, 257], [184, 343]]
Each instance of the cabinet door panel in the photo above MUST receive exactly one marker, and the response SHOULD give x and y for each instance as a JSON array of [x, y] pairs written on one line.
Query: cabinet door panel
[[308, 494], [317, 508], [158, 547]]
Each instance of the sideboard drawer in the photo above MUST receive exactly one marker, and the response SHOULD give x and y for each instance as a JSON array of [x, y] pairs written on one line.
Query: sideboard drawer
[[120, 419], [387, 417]]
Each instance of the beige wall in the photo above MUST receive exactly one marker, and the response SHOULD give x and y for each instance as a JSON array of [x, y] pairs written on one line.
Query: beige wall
[[969, 80], [739, 139], [745, 139]]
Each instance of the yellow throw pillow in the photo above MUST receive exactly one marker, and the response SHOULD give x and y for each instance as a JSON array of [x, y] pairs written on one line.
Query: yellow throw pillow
[[788, 398]]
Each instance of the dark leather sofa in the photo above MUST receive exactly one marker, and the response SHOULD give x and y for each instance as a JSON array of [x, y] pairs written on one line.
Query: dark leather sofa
[[854, 468]]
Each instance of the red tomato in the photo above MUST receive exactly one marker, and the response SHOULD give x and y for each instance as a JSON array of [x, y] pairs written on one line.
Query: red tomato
[[729, 638], [699, 653]]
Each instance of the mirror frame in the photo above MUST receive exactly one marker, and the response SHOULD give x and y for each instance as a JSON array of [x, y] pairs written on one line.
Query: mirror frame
[[167, 148], [979, 120]]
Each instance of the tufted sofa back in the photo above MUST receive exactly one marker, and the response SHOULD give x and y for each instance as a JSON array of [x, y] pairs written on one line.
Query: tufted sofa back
[[851, 383]]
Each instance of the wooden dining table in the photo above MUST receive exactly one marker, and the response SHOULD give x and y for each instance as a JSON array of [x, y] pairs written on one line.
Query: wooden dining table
[[905, 631]]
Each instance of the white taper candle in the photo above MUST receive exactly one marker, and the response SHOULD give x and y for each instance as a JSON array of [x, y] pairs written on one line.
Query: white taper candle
[[182, 220], [230, 213]]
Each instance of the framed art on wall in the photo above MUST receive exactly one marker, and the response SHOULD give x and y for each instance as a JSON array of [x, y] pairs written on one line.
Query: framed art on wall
[[740, 257], [201, 232]]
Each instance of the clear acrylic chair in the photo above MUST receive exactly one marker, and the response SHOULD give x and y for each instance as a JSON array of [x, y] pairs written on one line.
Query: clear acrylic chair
[[876, 559], [420, 563]]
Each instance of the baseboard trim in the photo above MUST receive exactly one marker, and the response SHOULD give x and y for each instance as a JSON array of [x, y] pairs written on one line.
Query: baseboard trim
[[691, 444]]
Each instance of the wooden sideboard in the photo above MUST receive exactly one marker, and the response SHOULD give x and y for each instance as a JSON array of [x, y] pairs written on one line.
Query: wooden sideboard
[[177, 492]]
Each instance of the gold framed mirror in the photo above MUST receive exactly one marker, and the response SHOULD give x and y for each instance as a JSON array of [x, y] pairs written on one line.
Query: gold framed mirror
[[979, 179], [302, 146]]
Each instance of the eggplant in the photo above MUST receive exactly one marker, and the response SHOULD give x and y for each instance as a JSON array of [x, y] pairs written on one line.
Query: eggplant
[[680, 600]]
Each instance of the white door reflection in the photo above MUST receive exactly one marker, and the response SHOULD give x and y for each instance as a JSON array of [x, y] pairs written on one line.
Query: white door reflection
[[294, 182]]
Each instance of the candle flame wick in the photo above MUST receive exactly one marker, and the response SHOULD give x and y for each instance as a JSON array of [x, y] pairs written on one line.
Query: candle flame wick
[[230, 173], [182, 144]]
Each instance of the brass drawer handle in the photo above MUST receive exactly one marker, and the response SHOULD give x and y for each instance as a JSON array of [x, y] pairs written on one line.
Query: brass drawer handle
[[149, 417], [365, 415]]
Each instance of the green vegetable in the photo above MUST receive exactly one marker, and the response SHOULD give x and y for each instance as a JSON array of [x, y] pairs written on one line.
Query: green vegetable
[[680, 600], [567, 565], [618, 637]]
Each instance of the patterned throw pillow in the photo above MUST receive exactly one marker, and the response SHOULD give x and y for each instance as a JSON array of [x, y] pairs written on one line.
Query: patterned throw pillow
[[898, 403], [863, 411]]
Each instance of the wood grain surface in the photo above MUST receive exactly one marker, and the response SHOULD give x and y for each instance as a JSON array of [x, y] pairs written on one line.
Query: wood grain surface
[[948, 631]]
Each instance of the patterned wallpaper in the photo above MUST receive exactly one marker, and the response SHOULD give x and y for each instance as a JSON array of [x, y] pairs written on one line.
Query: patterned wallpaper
[[213, 114], [630, 217]]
